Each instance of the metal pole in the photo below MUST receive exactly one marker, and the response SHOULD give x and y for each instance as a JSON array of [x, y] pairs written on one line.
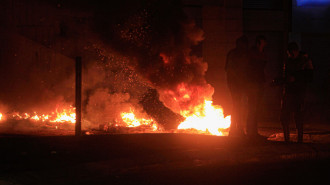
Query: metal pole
[[78, 96]]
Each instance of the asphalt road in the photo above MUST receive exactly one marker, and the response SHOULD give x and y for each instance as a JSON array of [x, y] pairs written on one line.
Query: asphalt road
[[160, 159]]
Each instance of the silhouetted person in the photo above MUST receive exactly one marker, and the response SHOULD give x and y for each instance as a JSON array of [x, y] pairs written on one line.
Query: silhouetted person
[[235, 67], [297, 74], [255, 85]]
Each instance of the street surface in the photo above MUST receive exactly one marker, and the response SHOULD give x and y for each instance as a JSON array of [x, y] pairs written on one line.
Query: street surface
[[160, 159]]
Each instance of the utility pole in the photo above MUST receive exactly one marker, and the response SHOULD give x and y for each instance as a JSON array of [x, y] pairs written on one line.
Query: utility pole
[[78, 96]]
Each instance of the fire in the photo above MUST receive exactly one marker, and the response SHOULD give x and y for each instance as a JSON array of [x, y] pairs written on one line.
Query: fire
[[65, 115], [35, 118], [193, 102], [206, 118], [131, 120], [202, 118]]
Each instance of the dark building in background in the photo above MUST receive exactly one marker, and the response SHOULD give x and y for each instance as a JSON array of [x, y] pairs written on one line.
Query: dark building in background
[[306, 22], [311, 29]]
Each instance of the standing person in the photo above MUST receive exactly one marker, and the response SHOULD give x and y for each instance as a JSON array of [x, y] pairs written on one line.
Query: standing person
[[297, 73], [255, 85], [236, 63]]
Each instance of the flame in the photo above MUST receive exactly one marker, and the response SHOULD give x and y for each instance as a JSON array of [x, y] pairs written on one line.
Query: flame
[[36, 117], [65, 115], [131, 120], [206, 118], [194, 103]]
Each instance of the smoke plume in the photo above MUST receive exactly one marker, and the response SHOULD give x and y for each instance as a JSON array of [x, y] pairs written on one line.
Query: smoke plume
[[157, 38]]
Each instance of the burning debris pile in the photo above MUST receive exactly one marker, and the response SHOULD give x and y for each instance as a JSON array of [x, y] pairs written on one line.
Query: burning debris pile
[[145, 74]]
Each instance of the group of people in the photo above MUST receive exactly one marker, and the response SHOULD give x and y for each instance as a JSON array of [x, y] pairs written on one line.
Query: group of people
[[246, 81]]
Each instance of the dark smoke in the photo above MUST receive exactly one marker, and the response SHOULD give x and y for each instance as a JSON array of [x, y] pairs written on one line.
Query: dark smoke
[[157, 37]]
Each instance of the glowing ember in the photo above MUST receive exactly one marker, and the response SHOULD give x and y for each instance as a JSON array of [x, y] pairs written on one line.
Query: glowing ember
[[131, 120], [1, 117], [164, 57], [206, 118]]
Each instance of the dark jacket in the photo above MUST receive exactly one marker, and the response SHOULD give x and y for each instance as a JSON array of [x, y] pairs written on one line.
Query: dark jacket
[[297, 74], [236, 63], [256, 66]]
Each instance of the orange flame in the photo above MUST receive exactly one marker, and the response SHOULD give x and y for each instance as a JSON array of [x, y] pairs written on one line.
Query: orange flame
[[66, 115], [131, 120], [206, 118], [193, 102]]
